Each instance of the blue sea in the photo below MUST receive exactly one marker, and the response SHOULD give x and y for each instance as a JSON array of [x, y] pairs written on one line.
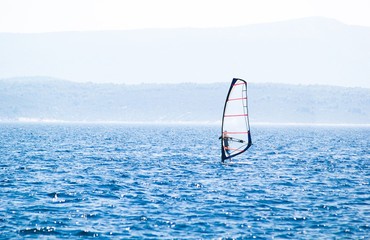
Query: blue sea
[[112, 181]]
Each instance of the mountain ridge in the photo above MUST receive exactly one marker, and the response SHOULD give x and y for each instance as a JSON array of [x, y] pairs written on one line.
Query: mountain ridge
[[305, 51]]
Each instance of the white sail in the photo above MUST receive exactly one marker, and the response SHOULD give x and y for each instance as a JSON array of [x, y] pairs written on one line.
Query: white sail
[[236, 137]]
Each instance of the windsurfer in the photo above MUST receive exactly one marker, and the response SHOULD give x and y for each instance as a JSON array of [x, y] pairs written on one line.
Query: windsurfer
[[226, 138]]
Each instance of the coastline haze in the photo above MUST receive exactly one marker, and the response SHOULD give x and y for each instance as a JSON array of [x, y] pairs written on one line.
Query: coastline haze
[[58, 101]]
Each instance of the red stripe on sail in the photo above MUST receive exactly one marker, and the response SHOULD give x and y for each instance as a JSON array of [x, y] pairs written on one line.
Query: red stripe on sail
[[233, 149], [238, 84], [234, 99], [237, 132], [236, 115]]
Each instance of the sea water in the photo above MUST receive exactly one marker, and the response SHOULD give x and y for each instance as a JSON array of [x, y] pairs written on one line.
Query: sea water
[[166, 181]]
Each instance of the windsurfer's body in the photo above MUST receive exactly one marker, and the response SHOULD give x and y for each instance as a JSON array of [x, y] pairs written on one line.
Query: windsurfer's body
[[226, 139]]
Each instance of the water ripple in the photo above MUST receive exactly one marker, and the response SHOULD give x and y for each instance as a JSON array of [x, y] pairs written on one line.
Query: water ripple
[[127, 181]]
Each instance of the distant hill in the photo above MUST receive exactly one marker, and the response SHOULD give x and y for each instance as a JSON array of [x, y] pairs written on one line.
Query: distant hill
[[54, 99], [302, 51]]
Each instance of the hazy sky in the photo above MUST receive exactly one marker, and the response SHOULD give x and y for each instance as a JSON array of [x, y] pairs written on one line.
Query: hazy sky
[[67, 15]]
